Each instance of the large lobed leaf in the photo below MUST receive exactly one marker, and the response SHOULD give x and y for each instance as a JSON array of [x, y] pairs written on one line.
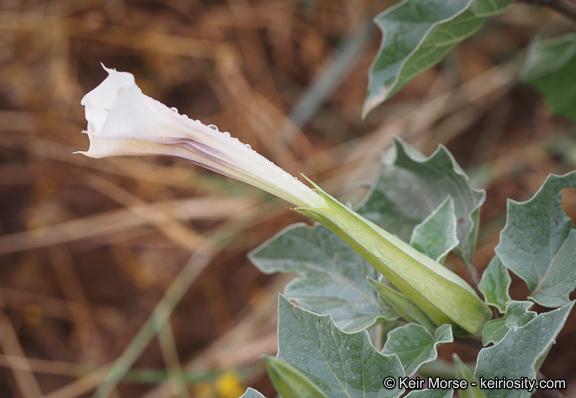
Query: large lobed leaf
[[413, 187], [520, 352], [417, 35], [538, 243], [550, 67], [332, 276], [342, 365]]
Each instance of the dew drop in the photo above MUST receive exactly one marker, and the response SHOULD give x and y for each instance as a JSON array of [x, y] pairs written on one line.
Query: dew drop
[[226, 134], [247, 146], [174, 109], [213, 127]]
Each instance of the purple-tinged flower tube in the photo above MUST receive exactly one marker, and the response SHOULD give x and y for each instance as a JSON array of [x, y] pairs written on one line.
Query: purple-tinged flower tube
[[124, 121]]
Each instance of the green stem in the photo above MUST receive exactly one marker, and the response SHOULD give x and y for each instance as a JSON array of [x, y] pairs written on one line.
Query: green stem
[[176, 376], [472, 273]]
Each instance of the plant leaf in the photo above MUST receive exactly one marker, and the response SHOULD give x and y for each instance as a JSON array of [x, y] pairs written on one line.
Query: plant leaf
[[252, 393], [289, 381], [521, 351], [403, 305], [495, 283], [463, 372], [516, 315], [538, 243], [550, 67], [417, 35], [414, 186], [436, 235], [332, 276], [342, 365], [415, 345]]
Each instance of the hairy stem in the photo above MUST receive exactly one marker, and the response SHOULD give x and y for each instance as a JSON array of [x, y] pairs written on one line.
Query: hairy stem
[[472, 272], [564, 7]]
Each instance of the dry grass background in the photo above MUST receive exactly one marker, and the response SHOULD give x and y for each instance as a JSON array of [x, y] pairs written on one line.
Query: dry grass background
[[88, 248]]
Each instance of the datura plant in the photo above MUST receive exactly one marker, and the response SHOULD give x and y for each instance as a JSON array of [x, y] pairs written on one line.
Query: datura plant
[[124, 121], [374, 276]]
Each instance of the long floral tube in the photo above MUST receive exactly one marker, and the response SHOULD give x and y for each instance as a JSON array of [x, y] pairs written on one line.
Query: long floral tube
[[123, 121]]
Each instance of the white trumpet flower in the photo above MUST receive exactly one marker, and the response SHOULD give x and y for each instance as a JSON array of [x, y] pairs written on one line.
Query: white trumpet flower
[[123, 121]]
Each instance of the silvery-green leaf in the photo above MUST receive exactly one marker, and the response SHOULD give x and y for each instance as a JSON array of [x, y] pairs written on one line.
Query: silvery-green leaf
[[417, 35], [516, 315], [289, 381], [538, 243], [342, 365], [550, 67], [413, 186], [332, 276], [252, 393], [495, 283], [436, 235], [521, 351], [415, 345]]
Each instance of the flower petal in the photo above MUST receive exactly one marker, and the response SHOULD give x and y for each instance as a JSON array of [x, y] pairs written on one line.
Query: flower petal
[[123, 121]]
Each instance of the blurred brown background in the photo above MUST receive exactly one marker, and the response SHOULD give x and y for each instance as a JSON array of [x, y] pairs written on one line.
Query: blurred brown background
[[88, 248]]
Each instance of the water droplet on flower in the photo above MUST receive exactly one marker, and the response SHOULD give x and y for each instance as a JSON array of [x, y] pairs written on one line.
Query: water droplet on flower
[[213, 127], [226, 134], [247, 146], [174, 109]]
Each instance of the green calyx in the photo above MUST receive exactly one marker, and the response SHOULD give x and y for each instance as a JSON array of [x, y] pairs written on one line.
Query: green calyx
[[441, 294]]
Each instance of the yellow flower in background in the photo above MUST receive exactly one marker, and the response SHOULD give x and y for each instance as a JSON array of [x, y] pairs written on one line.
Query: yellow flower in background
[[229, 385]]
